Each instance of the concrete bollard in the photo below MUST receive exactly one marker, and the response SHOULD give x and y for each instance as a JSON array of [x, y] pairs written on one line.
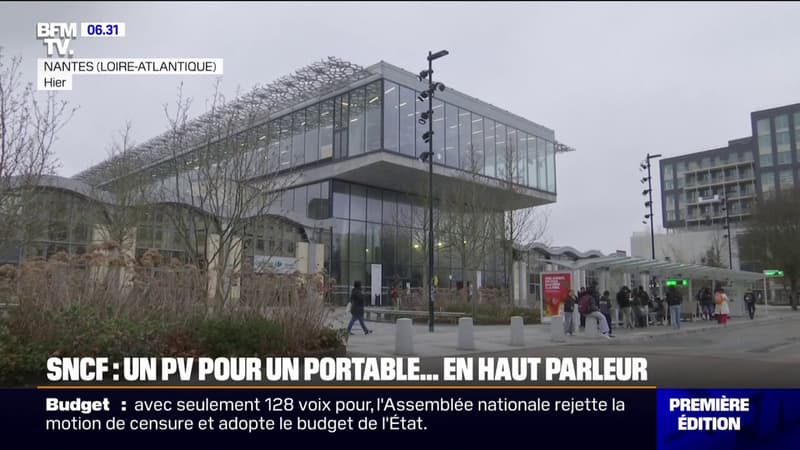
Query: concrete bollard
[[557, 329], [591, 329], [466, 335], [404, 337], [517, 331]]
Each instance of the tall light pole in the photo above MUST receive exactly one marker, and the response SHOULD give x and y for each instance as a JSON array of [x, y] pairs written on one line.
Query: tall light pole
[[428, 138], [649, 203], [728, 230]]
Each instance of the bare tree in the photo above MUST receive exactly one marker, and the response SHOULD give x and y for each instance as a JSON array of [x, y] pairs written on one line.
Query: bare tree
[[224, 173], [129, 194], [521, 227], [29, 125]]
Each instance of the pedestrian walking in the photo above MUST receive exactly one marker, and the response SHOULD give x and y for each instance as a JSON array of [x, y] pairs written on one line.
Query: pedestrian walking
[[674, 300], [750, 302], [357, 308], [569, 308]]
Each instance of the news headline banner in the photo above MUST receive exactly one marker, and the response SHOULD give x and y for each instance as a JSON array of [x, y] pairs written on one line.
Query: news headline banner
[[215, 416], [54, 73], [347, 369]]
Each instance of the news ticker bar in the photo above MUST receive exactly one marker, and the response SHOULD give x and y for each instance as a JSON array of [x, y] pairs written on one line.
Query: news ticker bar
[[635, 417]]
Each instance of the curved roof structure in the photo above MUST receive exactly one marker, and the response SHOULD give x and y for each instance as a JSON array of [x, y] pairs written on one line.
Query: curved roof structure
[[306, 83]]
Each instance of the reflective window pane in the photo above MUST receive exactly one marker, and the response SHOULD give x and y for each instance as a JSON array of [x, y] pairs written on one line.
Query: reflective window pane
[[358, 202], [477, 161], [465, 140], [389, 207], [407, 118], [298, 137], [326, 130], [438, 130], [374, 102], [391, 116], [500, 151], [541, 167], [451, 136], [374, 205], [358, 240], [551, 167], [286, 142], [341, 200], [489, 129], [357, 123], [312, 134], [521, 154], [532, 173]]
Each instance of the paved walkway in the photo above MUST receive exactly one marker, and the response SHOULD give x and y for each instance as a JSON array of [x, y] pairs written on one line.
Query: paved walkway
[[495, 338]]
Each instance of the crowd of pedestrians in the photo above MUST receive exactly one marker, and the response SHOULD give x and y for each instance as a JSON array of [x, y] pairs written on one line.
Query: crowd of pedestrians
[[636, 305]]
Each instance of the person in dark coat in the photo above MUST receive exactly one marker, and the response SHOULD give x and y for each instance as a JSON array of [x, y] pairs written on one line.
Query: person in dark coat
[[357, 308]]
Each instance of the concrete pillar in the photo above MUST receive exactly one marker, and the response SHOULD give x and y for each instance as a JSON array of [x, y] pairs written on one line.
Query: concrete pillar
[[557, 329], [518, 331], [404, 337], [301, 253], [466, 334]]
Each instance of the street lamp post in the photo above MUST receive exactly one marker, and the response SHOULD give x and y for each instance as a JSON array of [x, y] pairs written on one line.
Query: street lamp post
[[728, 230], [649, 203], [428, 137]]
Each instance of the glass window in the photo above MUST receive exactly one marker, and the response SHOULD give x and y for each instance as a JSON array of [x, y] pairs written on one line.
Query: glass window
[[438, 130], [451, 136], [374, 116], [312, 134], [273, 145], [374, 205], [796, 119], [341, 126], [476, 140], [358, 245], [522, 154], [541, 167], [668, 184], [340, 241], [391, 116], [500, 151], [407, 120], [764, 143], [670, 204], [767, 182], [341, 200], [287, 200], [286, 141], [357, 123], [300, 201], [388, 247], [465, 140], [298, 137], [511, 154], [389, 207], [403, 249], [358, 202], [783, 140], [786, 179], [531, 155], [404, 210], [551, 167], [373, 245], [489, 129], [326, 130]]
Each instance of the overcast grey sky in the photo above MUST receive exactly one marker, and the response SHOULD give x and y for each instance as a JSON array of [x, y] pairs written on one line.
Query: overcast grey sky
[[614, 80]]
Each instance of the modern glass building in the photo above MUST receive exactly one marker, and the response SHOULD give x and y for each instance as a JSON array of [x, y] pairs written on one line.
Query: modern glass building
[[350, 139], [742, 172]]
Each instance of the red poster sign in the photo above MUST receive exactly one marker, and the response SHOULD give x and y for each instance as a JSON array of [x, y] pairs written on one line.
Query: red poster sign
[[555, 286]]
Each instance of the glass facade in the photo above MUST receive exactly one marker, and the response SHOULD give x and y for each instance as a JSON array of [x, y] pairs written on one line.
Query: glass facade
[[782, 139], [376, 226], [764, 143]]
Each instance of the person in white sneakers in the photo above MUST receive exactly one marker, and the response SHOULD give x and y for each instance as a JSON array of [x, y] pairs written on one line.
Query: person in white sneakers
[[596, 314]]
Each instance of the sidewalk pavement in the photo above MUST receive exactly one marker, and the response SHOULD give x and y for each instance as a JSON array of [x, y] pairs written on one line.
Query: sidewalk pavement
[[496, 338]]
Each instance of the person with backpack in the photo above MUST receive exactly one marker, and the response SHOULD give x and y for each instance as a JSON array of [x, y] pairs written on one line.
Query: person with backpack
[[750, 302], [624, 302], [590, 308], [357, 308], [569, 307], [707, 303], [605, 309], [674, 301]]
